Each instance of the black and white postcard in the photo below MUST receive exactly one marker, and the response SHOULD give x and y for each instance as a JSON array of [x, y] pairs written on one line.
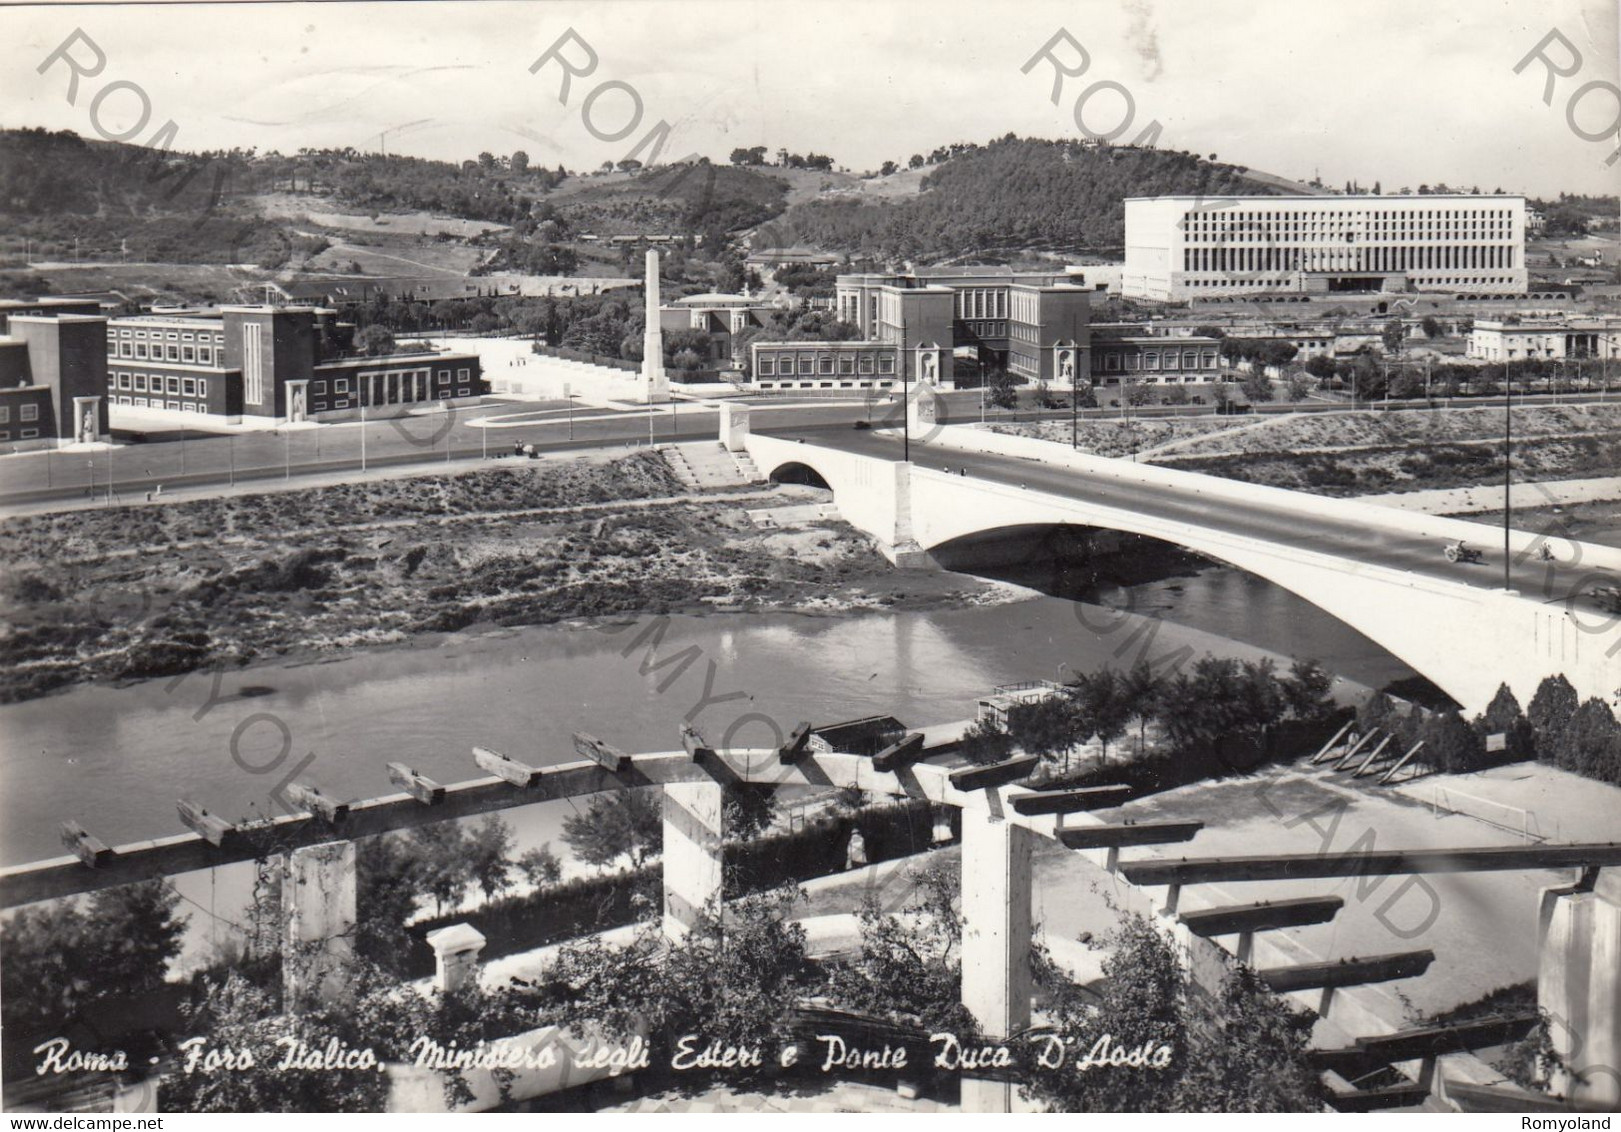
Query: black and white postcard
[[889, 556]]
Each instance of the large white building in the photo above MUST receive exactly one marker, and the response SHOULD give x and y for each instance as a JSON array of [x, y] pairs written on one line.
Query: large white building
[[1187, 247], [1546, 336]]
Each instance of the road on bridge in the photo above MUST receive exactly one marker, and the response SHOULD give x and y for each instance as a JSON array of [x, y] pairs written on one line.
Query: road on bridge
[[1325, 531]]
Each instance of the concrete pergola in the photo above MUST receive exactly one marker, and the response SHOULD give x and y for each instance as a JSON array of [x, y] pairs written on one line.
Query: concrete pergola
[[1000, 821]]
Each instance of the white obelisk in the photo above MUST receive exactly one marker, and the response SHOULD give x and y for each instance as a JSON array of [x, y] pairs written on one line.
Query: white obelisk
[[656, 385]]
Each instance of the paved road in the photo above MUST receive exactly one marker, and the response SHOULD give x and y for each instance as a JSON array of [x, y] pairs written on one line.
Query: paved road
[[202, 460], [1325, 532]]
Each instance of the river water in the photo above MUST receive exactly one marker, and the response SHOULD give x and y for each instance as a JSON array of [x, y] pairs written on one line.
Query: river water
[[116, 758]]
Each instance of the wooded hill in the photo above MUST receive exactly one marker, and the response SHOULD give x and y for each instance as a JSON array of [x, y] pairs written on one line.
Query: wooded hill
[[1011, 194]]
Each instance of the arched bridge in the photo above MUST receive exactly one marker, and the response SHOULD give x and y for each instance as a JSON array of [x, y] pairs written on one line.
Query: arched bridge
[[1378, 569]]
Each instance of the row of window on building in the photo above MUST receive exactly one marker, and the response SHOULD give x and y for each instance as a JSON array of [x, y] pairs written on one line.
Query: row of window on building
[[823, 364], [1444, 222], [168, 345], [171, 384], [1154, 360], [867, 384], [25, 413], [981, 302], [1465, 257]]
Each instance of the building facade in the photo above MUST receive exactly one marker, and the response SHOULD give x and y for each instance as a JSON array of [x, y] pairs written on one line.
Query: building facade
[[1185, 247], [823, 365], [1559, 336], [719, 317], [280, 363], [53, 379], [1034, 324], [1127, 353]]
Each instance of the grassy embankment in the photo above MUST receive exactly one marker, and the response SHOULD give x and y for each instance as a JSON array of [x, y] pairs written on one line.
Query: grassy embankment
[[1357, 453], [143, 591]]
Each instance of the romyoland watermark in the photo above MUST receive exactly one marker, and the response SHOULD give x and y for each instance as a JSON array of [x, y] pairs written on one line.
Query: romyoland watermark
[[1101, 102], [1592, 109]]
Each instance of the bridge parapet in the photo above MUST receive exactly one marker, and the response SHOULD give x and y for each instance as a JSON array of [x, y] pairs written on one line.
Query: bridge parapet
[[972, 438]]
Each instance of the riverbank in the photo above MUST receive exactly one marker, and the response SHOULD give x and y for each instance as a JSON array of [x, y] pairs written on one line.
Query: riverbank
[[138, 592], [1362, 452]]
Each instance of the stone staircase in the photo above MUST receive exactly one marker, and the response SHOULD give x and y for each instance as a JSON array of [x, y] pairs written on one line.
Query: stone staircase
[[708, 466]]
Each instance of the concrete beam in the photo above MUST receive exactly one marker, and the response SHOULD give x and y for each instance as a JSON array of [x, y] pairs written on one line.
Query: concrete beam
[[1265, 916], [1298, 866], [1348, 972], [1119, 836]]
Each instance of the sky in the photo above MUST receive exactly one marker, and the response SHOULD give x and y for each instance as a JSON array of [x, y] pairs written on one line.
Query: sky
[[1402, 92]]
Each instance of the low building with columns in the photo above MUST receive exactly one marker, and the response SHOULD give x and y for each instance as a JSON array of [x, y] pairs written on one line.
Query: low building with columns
[[271, 362]]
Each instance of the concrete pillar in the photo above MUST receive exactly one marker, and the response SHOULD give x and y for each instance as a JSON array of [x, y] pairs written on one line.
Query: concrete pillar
[[455, 952], [734, 426], [995, 941], [693, 824], [1579, 986], [318, 901]]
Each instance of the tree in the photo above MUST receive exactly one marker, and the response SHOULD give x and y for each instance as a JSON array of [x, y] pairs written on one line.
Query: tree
[[629, 165], [738, 985], [619, 823], [1320, 366], [375, 341], [520, 161], [915, 162], [1452, 745], [486, 161], [1257, 386], [1140, 692], [1046, 726], [1503, 716], [243, 1018], [1105, 707], [1431, 326], [443, 852], [750, 808], [1297, 386], [1379, 710], [752, 155], [888, 168], [1308, 690], [489, 846], [985, 741], [1246, 1050], [909, 969], [60, 957], [1003, 395], [1550, 709], [540, 867], [1393, 335]]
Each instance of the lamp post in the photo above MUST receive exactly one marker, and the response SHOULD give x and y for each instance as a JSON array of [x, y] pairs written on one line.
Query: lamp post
[[906, 404], [1508, 440]]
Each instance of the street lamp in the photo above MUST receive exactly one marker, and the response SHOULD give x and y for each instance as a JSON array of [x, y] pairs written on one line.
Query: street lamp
[[906, 404], [1508, 440]]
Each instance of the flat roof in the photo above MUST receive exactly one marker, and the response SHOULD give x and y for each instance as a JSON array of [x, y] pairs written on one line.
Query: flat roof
[[53, 319], [1241, 198]]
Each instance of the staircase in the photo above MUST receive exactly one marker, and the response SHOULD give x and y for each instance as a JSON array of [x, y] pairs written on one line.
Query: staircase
[[708, 466]]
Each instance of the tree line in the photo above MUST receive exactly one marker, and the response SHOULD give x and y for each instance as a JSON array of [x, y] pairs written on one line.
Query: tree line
[[1220, 701]]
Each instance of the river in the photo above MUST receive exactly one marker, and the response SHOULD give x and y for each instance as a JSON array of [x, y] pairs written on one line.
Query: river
[[116, 758]]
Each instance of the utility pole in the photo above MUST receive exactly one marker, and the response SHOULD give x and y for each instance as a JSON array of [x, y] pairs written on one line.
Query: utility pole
[[906, 404], [363, 432], [1508, 439]]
